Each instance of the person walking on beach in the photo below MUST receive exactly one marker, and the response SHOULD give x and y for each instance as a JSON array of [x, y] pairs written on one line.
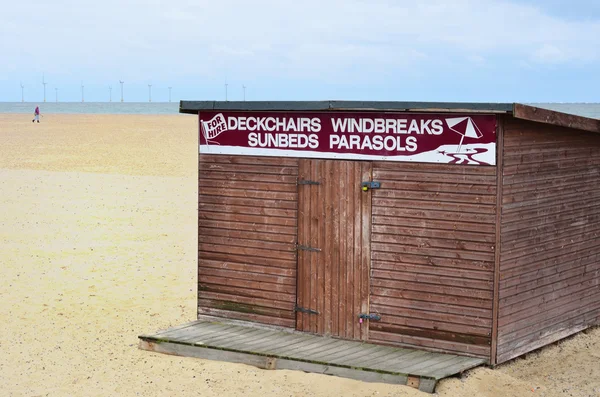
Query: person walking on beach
[[36, 114]]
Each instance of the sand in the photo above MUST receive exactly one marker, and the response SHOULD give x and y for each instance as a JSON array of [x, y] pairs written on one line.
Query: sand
[[97, 246]]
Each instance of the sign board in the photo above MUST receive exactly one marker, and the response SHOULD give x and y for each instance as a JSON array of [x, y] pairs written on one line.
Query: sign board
[[420, 137]]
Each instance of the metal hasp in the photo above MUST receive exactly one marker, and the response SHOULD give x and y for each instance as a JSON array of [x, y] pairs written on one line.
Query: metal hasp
[[370, 185], [369, 316], [305, 248], [304, 310], [305, 182]]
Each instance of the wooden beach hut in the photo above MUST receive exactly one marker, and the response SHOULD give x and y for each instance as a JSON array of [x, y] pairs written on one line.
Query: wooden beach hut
[[467, 231]]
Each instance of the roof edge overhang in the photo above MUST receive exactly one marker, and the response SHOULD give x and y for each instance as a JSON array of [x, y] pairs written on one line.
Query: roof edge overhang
[[194, 107], [517, 110], [546, 116]]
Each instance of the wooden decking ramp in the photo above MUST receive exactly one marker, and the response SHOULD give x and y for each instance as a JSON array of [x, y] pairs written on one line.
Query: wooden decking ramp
[[278, 349]]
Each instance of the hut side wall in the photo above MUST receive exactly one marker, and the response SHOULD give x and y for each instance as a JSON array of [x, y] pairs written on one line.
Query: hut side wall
[[549, 264], [246, 234], [432, 251]]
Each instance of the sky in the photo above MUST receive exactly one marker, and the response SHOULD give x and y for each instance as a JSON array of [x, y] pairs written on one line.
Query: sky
[[459, 50]]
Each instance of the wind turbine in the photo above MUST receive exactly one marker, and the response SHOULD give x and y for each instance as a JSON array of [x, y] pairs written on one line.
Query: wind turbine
[[82, 91], [121, 82], [56, 92], [226, 91], [44, 83], [170, 94], [244, 87], [149, 92], [109, 94], [22, 92]]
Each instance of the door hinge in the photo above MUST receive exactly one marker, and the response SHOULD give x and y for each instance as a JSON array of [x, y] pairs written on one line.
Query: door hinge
[[307, 182], [370, 316], [304, 310], [305, 248]]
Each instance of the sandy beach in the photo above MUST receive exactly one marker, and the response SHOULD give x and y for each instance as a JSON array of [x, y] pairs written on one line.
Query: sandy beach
[[98, 245]]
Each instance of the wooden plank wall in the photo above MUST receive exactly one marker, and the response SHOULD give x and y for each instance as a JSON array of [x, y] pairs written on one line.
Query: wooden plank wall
[[335, 217], [549, 267], [247, 235], [433, 256]]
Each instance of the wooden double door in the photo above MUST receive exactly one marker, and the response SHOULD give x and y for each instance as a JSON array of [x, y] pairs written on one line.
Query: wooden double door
[[334, 229]]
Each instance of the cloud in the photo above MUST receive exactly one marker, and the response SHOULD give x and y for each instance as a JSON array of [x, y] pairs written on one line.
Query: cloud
[[335, 40], [476, 60], [326, 37], [550, 54]]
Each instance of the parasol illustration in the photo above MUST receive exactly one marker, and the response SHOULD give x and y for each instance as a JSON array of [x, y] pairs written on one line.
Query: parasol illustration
[[465, 127]]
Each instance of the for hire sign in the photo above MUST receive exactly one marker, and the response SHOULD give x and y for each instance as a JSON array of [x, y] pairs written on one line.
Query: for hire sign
[[422, 137]]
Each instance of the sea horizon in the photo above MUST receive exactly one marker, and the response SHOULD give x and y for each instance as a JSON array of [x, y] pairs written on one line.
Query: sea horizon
[[586, 109], [91, 107]]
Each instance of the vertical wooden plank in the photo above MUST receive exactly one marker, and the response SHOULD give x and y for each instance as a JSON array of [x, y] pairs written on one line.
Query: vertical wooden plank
[[347, 255], [363, 176], [307, 255], [342, 251], [346, 260], [337, 255], [337, 252], [357, 250], [365, 273], [300, 239], [316, 232], [314, 227], [347, 236], [305, 273], [322, 256], [325, 187], [499, 184], [327, 254]]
